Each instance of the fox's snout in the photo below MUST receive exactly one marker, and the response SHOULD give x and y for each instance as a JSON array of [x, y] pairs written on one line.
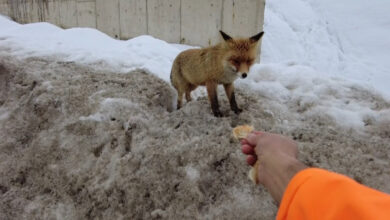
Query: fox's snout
[[241, 70], [242, 75]]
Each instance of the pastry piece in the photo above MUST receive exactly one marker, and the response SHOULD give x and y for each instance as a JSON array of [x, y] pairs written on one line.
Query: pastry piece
[[252, 175], [241, 132]]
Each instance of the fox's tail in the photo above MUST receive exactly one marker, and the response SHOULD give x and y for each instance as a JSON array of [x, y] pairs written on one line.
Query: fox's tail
[[175, 75]]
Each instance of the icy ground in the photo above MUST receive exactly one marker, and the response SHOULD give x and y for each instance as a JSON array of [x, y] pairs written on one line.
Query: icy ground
[[87, 128]]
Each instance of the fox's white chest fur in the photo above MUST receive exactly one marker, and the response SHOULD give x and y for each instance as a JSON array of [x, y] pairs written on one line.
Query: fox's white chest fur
[[229, 75]]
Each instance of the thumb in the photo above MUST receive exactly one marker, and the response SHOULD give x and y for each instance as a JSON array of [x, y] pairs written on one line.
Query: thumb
[[254, 137]]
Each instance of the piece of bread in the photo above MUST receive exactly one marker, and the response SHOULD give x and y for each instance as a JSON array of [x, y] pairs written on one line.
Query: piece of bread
[[252, 175], [241, 132]]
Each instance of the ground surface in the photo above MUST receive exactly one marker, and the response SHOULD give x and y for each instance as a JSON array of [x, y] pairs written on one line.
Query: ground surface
[[77, 143]]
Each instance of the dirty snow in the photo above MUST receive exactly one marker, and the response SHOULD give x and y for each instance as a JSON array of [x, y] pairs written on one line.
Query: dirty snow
[[106, 145]]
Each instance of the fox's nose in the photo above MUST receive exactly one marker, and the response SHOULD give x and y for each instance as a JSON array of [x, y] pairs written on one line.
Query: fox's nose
[[244, 75]]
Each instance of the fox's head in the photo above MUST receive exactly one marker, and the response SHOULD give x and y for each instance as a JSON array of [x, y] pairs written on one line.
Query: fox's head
[[241, 53]]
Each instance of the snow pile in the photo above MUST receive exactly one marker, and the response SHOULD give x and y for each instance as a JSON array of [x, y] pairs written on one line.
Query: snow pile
[[295, 33], [347, 103], [88, 46], [348, 39], [102, 145], [81, 143]]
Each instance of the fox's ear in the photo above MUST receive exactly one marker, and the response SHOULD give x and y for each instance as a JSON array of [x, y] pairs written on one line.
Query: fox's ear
[[257, 37], [225, 36]]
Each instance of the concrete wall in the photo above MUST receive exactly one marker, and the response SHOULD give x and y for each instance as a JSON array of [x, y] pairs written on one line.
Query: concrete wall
[[194, 22]]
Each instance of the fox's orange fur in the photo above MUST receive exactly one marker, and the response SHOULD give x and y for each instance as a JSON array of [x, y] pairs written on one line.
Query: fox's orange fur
[[211, 66]]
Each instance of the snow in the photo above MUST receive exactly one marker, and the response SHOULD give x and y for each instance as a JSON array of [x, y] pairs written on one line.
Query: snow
[[192, 173], [302, 85], [88, 46], [314, 52], [3, 113], [348, 39]]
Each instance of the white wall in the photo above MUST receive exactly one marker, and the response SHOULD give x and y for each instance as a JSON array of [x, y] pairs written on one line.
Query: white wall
[[194, 22]]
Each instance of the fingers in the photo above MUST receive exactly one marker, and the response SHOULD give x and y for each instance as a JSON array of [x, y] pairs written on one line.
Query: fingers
[[251, 159], [247, 149], [253, 138], [248, 144], [244, 141]]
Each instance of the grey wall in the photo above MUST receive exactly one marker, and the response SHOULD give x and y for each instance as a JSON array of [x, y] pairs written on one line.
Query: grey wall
[[193, 22]]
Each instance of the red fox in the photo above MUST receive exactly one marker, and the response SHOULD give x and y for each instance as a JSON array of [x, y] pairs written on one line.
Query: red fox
[[211, 66]]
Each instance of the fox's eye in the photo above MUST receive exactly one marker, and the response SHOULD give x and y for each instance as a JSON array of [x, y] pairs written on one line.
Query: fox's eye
[[235, 62], [250, 62]]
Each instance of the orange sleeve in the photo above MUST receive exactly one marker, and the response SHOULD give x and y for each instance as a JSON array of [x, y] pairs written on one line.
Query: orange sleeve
[[319, 194]]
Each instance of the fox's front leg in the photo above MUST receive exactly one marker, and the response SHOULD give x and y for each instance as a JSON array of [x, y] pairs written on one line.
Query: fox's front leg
[[213, 97], [229, 89]]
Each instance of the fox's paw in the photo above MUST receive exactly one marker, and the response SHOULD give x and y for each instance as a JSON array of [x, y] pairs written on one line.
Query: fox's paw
[[217, 114], [237, 110]]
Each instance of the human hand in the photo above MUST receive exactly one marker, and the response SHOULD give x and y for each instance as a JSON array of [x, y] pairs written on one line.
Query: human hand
[[277, 156]]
